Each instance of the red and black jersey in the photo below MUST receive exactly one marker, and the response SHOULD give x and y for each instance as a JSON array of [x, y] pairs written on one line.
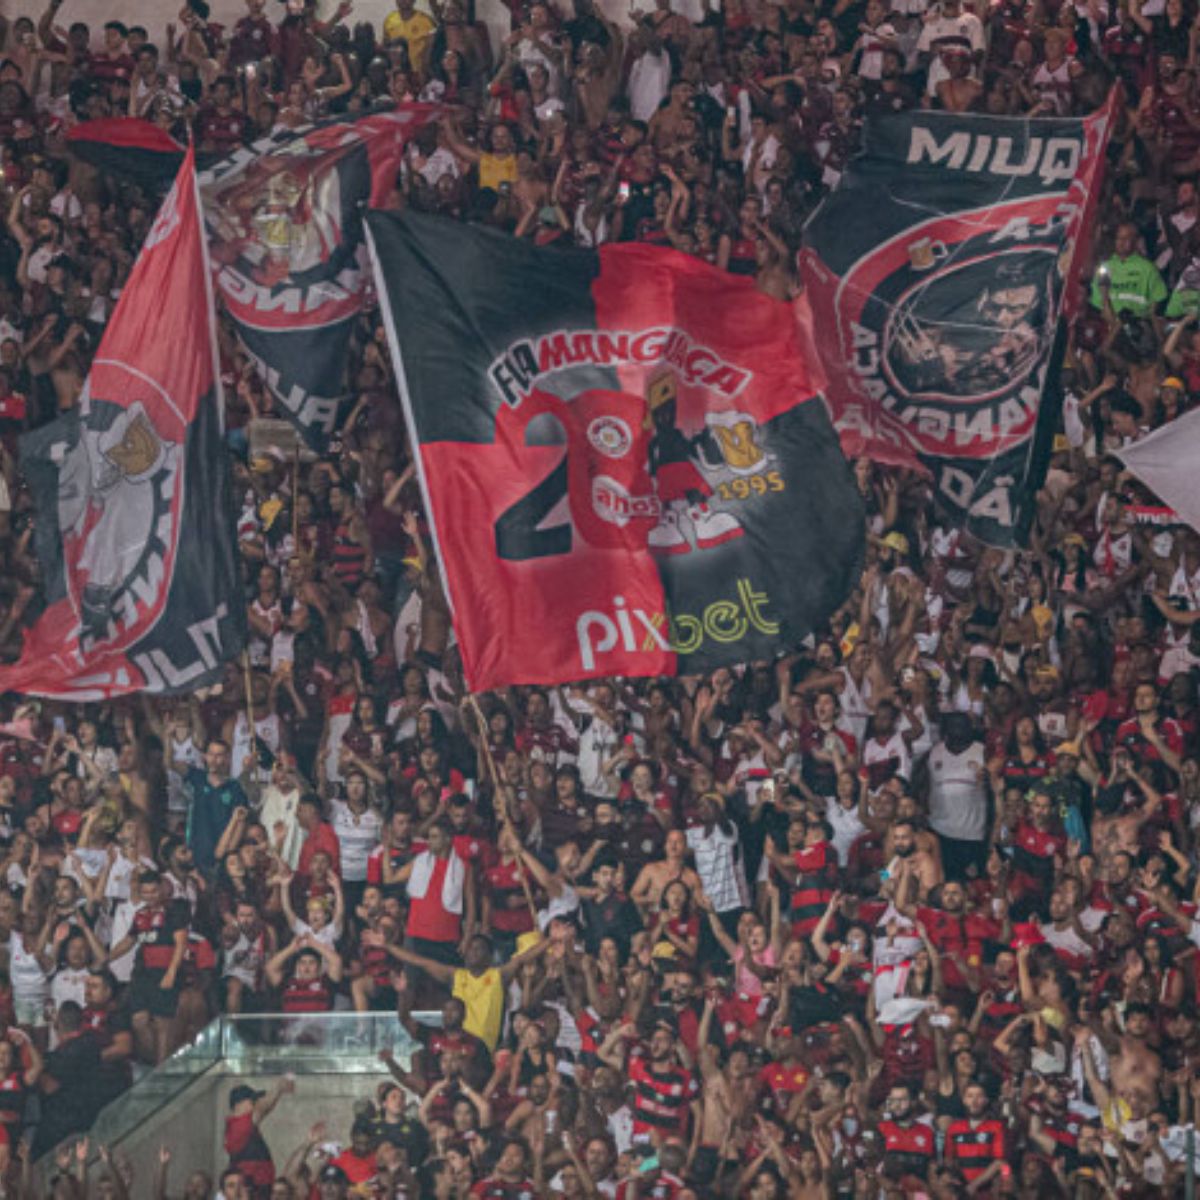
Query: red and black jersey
[[1034, 852], [397, 857], [958, 933], [154, 930], [974, 1146], [312, 996], [223, 131], [906, 1055], [908, 1149], [104, 1024], [1130, 737], [253, 40], [1063, 1131], [12, 1098], [508, 911], [658, 1185], [813, 887], [662, 1097], [1021, 774], [106, 67], [376, 961], [248, 1151], [440, 1042], [1005, 1005]]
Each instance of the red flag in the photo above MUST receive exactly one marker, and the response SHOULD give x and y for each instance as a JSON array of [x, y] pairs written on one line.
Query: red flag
[[134, 524], [620, 479]]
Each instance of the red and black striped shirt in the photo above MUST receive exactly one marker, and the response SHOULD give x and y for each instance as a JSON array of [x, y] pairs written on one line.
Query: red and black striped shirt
[[974, 1146], [313, 996], [662, 1097]]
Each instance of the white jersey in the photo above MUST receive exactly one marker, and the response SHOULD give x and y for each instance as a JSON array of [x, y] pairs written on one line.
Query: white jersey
[[267, 730], [957, 796], [357, 834], [30, 984]]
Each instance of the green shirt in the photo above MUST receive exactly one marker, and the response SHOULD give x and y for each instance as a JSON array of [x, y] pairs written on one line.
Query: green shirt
[[1183, 301], [1137, 287]]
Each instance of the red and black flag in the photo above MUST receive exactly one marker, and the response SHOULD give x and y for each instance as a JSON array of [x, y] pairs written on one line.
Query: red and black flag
[[134, 523], [284, 220], [626, 469], [938, 272], [129, 147]]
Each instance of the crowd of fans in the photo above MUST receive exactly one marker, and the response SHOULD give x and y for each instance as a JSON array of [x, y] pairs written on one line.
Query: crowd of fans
[[909, 911]]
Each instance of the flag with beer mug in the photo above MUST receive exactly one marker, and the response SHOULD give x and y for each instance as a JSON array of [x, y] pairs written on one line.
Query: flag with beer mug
[[626, 465]]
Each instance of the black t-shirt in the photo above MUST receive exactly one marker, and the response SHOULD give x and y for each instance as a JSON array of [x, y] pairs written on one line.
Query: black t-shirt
[[75, 1066], [615, 916], [409, 1135]]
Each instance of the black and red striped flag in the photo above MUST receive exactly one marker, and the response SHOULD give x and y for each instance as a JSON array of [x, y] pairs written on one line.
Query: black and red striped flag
[[134, 523], [626, 468], [129, 147]]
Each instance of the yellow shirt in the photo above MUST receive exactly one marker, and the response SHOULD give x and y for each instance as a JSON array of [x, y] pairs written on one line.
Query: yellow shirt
[[495, 169], [416, 32], [483, 998]]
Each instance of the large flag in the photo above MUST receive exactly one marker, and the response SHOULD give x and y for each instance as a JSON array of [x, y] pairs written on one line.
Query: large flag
[[134, 531], [284, 218], [129, 147], [938, 272], [1166, 462], [626, 469]]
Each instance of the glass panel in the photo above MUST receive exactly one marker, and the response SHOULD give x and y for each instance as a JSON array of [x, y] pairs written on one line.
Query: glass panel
[[317, 1044]]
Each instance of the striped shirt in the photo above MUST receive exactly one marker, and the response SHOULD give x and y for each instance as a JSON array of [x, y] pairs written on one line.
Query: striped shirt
[[719, 866], [662, 1097], [357, 834]]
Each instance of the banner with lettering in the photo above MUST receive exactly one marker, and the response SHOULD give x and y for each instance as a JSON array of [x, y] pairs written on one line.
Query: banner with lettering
[[626, 467], [938, 273], [284, 219], [135, 533]]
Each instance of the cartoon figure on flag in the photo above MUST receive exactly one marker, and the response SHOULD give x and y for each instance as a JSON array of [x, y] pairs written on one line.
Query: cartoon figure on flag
[[974, 327], [117, 487], [682, 489]]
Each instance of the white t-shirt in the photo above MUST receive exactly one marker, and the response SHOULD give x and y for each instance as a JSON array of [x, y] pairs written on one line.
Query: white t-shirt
[[957, 797], [965, 26], [870, 63], [357, 834], [847, 827], [597, 744]]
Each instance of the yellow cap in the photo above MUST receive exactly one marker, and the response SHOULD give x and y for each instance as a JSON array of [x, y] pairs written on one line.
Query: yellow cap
[[897, 541], [528, 940]]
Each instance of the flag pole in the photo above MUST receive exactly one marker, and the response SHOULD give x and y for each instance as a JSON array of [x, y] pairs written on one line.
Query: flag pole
[[296, 499], [501, 808], [246, 676], [218, 390]]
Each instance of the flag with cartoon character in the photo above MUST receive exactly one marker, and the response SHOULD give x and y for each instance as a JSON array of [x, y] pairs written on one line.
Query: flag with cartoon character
[[133, 524], [938, 274], [626, 466]]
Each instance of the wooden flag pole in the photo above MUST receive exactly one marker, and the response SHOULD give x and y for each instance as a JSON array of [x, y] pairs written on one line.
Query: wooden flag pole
[[501, 808], [250, 709], [296, 499]]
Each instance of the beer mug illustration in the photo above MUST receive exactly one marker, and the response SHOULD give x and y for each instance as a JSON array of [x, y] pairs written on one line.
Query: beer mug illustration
[[926, 253], [736, 436]]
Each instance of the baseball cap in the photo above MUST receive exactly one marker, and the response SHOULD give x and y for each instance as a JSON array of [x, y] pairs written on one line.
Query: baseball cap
[[244, 1092], [332, 1173], [896, 541], [1173, 381]]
